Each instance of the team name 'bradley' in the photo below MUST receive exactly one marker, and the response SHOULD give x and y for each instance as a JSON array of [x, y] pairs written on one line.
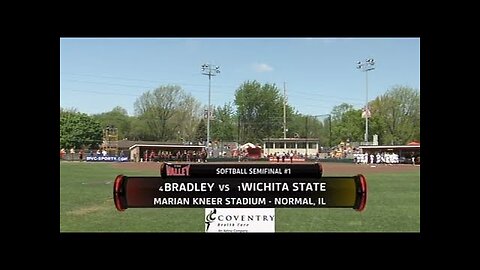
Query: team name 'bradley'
[[187, 187]]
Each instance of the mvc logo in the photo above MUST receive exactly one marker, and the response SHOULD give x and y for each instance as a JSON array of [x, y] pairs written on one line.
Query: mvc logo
[[210, 218], [178, 170]]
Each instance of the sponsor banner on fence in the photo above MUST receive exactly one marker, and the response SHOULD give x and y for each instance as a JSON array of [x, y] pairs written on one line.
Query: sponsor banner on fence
[[107, 158], [239, 220]]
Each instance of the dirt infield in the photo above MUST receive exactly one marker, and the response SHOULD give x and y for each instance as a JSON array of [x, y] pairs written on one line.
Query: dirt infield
[[329, 168]]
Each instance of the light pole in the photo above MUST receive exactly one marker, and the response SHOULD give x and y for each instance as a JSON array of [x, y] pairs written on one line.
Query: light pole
[[366, 66], [210, 71]]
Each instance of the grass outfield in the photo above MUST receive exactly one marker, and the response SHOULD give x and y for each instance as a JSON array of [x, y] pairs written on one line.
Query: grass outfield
[[86, 205]]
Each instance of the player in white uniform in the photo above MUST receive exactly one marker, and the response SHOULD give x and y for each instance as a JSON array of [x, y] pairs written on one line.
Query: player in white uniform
[[395, 158]]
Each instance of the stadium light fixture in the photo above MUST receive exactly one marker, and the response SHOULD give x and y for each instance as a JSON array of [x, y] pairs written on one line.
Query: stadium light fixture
[[366, 66], [210, 71]]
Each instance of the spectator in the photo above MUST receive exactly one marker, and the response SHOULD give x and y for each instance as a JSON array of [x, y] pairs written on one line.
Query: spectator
[[72, 152], [80, 155]]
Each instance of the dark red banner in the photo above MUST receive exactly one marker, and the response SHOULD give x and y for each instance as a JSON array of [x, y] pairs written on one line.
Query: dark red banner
[[241, 170]]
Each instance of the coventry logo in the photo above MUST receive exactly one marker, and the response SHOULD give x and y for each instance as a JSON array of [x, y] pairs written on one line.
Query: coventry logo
[[210, 218]]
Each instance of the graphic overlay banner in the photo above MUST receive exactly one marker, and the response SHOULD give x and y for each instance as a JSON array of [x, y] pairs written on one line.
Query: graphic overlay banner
[[231, 220], [286, 170], [245, 192]]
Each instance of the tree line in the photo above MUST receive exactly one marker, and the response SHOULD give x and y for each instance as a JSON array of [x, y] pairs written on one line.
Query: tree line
[[170, 114]]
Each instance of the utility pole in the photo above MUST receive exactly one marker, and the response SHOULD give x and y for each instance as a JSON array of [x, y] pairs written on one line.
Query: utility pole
[[284, 111], [330, 131], [306, 135]]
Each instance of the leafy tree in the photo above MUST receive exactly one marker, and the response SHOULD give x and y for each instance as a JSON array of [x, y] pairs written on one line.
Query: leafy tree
[[201, 132], [162, 109], [318, 127], [139, 130], [396, 116], [223, 126], [324, 130], [79, 130], [118, 118], [347, 124], [339, 111], [295, 123], [259, 107], [185, 119]]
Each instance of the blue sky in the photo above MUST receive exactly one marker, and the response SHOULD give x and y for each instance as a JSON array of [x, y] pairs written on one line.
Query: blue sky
[[98, 74]]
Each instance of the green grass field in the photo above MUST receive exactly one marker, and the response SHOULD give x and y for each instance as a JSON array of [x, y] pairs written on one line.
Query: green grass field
[[86, 205]]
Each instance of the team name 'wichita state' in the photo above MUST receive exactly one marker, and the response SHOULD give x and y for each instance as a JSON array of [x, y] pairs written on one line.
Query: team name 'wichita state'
[[249, 171]]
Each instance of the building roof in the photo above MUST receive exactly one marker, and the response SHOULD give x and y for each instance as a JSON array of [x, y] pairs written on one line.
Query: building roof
[[124, 144], [389, 147], [291, 139], [169, 146]]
